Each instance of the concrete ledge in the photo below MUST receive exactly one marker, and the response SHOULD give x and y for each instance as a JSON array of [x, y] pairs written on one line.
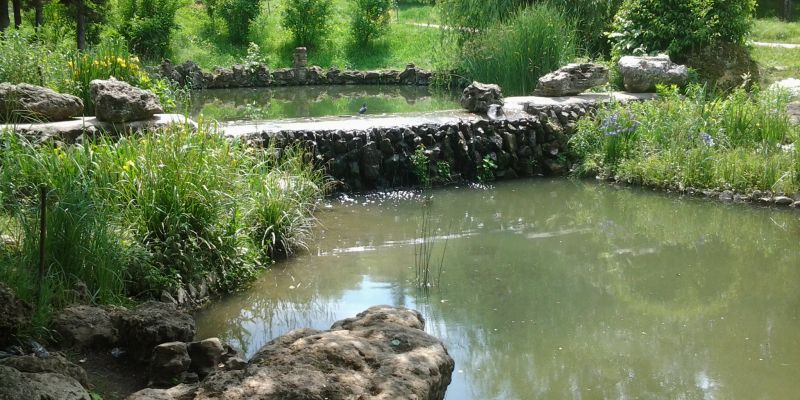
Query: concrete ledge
[[70, 130]]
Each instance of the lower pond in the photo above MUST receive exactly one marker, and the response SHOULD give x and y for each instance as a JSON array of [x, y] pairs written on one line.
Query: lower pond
[[554, 289], [227, 105]]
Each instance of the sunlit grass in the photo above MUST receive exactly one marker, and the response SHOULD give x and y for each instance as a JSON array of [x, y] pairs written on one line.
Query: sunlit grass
[[775, 30]]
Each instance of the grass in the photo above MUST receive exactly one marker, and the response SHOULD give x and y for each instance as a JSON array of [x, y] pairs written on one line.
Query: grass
[[205, 41], [131, 218], [742, 143], [776, 63], [775, 31]]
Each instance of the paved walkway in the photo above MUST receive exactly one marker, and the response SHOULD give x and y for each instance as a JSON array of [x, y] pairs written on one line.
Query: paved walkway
[[777, 45]]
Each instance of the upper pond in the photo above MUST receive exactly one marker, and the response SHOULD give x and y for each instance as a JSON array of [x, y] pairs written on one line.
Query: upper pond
[[557, 290], [227, 105]]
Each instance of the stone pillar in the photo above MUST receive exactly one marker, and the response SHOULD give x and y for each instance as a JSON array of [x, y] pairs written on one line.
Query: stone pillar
[[300, 64]]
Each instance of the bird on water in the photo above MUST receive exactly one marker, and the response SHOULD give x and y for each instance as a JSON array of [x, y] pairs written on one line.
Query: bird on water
[[363, 109]]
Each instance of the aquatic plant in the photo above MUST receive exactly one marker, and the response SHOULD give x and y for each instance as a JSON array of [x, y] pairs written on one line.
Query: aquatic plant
[[424, 276]]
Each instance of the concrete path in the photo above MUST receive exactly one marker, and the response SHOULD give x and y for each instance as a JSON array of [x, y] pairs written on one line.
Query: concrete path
[[777, 45], [71, 129]]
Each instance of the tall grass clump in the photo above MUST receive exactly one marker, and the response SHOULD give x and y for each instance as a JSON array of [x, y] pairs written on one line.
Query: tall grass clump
[[26, 59], [741, 142], [134, 217], [514, 54]]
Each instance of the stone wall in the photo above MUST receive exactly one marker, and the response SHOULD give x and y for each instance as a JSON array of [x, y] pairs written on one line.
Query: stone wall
[[241, 76], [528, 145]]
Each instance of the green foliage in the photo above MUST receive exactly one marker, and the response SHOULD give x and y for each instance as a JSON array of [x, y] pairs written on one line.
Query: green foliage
[[740, 142], [307, 20], [370, 19], [443, 171], [678, 27], [515, 54], [28, 60], [145, 214], [486, 169], [420, 167], [148, 25], [238, 16]]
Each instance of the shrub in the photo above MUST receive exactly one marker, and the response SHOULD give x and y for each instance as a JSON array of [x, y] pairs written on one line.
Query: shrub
[[148, 25], [370, 19], [25, 59], [307, 20], [515, 54], [678, 27], [739, 142], [238, 16]]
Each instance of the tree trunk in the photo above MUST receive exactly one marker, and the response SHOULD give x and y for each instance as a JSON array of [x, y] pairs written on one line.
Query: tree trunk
[[80, 14], [37, 6], [788, 10], [17, 6], [4, 22]]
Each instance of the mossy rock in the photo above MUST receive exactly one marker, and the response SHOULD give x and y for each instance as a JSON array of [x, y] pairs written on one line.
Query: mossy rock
[[725, 66]]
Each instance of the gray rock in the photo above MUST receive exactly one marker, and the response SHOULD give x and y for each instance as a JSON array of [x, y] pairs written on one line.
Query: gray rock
[[26, 102], [783, 200], [118, 101], [151, 324], [571, 80], [206, 355], [85, 327], [496, 113], [235, 363], [642, 74], [383, 353], [55, 363], [791, 85], [796, 204], [18, 385], [15, 314], [477, 97], [180, 392], [168, 364]]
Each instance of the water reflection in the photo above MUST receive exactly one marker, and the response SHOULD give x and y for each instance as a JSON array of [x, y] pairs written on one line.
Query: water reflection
[[317, 101], [558, 289]]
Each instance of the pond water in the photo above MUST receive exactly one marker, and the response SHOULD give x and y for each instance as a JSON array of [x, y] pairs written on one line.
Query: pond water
[[227, 105], [554, 289]]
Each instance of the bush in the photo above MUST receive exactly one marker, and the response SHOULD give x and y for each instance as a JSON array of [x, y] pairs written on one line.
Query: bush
[[515, 54], [370, 19], [25, 59], [238, 16], [741, 142], [679, 27], [148, 25], [307, 20]]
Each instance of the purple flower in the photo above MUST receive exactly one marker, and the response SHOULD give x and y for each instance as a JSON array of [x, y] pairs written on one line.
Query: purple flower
[[707, 139]]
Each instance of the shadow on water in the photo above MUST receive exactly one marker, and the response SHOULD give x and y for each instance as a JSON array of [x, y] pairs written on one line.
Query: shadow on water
[[558, 289], [317, 101]]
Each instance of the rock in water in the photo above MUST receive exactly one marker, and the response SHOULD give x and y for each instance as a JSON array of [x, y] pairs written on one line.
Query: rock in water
[[571, 80], [382, 353], [477, 97], [118, 101], [26, 102], [642, 74]]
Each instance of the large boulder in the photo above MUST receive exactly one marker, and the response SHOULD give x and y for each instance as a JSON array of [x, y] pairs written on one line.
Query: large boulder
[[725, 66], [477, 97], [642, 74], [55, 363], [151, 324], [118, 101], [571, 79], [85, 327], [18, 385], [25, 102], [15, 315], [383, 353]]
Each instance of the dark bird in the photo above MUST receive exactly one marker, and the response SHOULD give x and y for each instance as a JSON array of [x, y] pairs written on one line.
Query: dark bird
[[363, 109]]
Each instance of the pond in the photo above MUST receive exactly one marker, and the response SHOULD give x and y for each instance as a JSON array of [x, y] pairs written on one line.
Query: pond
[[226, 105], [556, 289]]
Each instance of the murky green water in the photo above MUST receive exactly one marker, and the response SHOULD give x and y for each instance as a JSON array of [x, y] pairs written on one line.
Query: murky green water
[[558, 290], [317, 101]]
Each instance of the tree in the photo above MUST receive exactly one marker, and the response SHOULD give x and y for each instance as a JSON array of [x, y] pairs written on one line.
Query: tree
[[89, 15], [17, 6], [370, 19], [4, 22], [307, 20]]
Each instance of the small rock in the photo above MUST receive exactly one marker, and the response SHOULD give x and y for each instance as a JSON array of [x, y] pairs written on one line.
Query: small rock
[[168, 364], [642, 74], [726, 195], [796, 204], [205, 355], [496, 113], [117, 101], [235, 363], [477, 97], [783, 201], [571, 80]]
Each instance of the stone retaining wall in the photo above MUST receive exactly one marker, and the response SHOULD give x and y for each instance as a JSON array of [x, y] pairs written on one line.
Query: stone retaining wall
[[241, 76], [525, 145]]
